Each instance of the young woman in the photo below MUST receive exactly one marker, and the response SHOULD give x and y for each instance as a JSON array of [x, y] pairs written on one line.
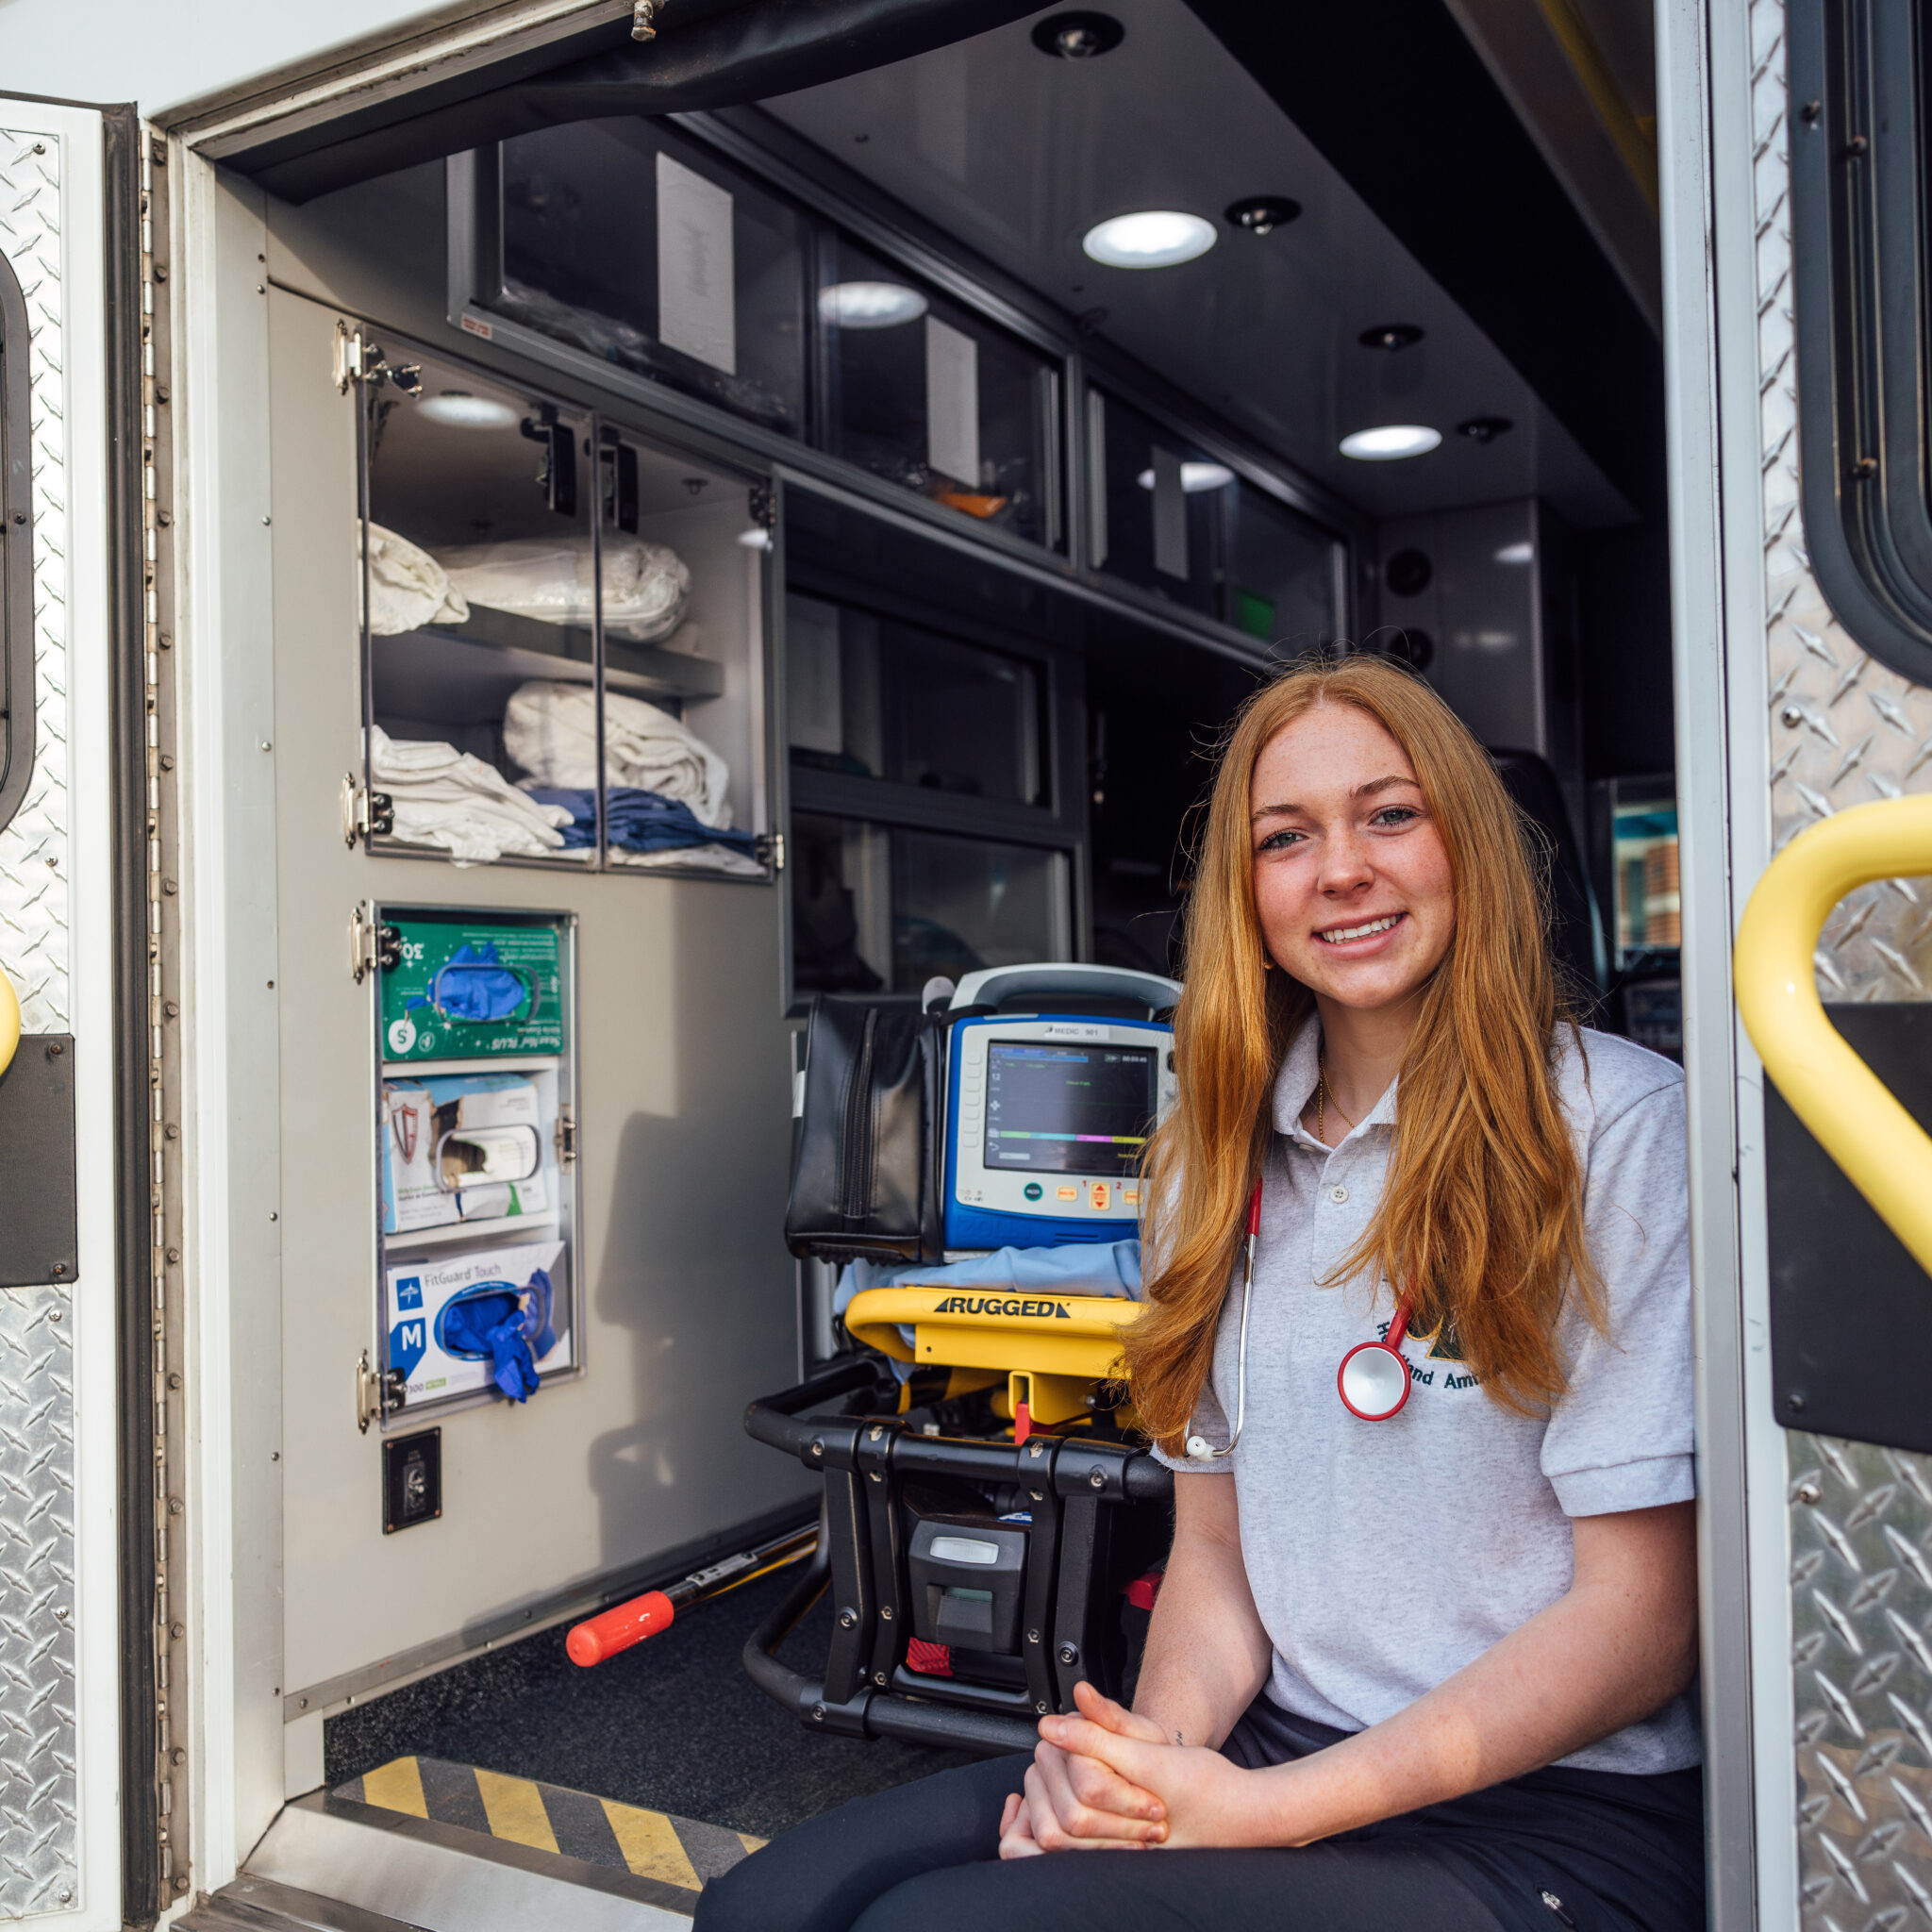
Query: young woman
[[1430, 1671]]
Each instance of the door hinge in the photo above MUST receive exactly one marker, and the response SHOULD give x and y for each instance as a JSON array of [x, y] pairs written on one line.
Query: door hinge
[[365, 814], [761, 500], [372, 944], [565, 1135], [359, 359], [379, 1392], [770, 848]]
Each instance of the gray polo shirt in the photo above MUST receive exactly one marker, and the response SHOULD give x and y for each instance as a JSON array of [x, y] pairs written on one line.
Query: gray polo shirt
[[1384, 1557]]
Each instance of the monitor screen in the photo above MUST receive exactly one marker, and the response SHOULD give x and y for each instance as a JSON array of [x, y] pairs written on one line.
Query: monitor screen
[[1068, 1109]]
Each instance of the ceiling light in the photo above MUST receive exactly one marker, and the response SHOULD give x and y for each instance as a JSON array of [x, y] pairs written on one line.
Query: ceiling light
[[1196, 478], [1516, 552], [1261, 214], [1078, 36], [755, 538], [458, 410], [1156, 238], [869, 305], [1485, 428], [1391, 336], [1390, 441]]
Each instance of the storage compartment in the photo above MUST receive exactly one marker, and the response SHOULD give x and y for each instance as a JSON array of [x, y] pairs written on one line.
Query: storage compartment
[[535, 579]]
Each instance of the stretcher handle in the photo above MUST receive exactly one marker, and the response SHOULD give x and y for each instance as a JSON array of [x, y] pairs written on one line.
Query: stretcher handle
[[1885, 1154], [774, 1419]]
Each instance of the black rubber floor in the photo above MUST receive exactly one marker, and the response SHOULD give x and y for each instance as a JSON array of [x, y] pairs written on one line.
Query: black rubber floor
[[673, 1725]]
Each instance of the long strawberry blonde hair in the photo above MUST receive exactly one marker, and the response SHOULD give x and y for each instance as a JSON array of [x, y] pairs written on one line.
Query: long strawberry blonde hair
[[1481, 1219]]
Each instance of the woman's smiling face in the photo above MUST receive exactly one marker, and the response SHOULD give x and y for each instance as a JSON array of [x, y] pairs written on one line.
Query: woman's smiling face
[[1352, 880]]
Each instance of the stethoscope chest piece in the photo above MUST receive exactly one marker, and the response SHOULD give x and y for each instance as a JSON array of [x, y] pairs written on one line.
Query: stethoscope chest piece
[[1373, 1380]]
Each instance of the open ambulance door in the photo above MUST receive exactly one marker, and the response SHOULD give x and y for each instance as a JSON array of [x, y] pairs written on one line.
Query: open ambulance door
[[91, 1481]]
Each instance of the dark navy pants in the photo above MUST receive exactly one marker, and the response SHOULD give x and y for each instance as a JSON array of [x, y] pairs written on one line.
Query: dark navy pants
[[1558, 1851]]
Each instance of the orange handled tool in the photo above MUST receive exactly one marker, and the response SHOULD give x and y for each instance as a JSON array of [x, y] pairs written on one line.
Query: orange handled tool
[[615, 1629]]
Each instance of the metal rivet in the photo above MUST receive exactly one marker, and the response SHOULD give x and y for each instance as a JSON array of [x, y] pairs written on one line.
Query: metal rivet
[[172, 1132], [59, 1270], [848, 1618], [20, 516], [1069, 1654], [1809, 1492], [174, 1506], [1038, 1495], [878, 1677], [1790, 717], [53, 1314], [169, 887], [876, 1477], [885, 1613], [55, 1049], [1795, 1403], [1033, 1637], [818, 1713], [1042, 1707], [818, 1448], [173, 1255], [876, 1430], [1097, 1478], [273, 1215], [174, 1378]]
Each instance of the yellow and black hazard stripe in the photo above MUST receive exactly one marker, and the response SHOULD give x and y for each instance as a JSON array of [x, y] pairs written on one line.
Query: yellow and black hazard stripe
[[551, 1818]]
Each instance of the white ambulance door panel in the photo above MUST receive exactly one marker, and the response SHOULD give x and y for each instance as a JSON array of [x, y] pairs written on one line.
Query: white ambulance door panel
[[59, 1640], [682, 1294]]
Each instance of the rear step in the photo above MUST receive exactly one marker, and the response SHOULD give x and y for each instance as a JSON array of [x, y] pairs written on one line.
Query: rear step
[[424, 1843]]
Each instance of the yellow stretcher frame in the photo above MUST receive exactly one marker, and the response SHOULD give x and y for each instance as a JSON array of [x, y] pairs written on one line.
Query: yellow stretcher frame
[[1885, 1154], [1052, 1348]]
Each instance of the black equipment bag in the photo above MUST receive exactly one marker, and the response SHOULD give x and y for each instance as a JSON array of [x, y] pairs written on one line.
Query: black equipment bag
[[865, 1163]]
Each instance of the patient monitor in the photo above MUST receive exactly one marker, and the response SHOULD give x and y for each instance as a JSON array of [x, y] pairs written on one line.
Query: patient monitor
[[1054, 1077]]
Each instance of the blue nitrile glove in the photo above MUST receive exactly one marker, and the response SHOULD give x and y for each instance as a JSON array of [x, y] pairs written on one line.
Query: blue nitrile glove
[[470, 985], [537, 1312], [492, 1326]]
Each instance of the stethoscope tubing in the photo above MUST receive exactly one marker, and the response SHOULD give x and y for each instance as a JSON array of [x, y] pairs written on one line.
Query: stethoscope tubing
[[1197, 1447]]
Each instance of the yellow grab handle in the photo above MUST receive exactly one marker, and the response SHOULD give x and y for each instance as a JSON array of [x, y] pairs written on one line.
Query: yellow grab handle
[[10, 1021], [1885, 1154]]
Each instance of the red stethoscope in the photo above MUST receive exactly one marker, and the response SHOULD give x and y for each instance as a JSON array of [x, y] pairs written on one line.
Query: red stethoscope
[[1373, 1380]]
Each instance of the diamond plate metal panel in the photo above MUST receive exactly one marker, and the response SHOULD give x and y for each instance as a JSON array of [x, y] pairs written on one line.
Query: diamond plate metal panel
[[1843, 730], [33, 849], [1861, 1581], [38, 1840]]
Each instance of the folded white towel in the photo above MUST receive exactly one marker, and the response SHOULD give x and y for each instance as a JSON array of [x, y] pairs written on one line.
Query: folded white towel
[[646, 586], [551, 731], [407, 588], [445, 798]]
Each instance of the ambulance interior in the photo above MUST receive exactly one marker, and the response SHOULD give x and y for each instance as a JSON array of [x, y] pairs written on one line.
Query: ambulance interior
[[767, 551]]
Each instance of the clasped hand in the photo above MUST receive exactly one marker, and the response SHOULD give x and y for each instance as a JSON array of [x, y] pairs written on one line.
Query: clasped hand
[[1108, 1780]]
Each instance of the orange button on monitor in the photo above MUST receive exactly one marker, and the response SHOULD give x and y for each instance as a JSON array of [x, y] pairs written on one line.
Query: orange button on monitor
[[1069, 1194], [1098, 1197]]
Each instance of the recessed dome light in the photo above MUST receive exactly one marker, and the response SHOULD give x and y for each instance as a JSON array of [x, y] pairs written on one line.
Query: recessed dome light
[[1156, 238], [1390, 441], [1516, 552], [1261, 214], [456, 408], [1196, 478], [1078, 36], [869, 305]]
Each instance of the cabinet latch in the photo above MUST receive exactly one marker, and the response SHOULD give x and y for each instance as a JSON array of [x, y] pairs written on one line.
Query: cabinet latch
[[770, 848], [565, 1135], [365, 814], [379, 1392], [372, 944], [359, 359]]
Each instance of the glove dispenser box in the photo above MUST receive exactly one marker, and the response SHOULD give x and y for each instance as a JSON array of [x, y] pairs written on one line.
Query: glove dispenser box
[[476, 1152]]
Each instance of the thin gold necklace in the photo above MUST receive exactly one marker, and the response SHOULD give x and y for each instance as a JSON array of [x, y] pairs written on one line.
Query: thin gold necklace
[[1321, 1100]]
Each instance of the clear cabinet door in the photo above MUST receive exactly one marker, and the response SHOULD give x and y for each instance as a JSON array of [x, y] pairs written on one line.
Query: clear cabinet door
[[564, 636], [479, 575]]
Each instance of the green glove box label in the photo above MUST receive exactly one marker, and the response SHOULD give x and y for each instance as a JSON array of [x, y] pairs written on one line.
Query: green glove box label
[[464, 989]]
